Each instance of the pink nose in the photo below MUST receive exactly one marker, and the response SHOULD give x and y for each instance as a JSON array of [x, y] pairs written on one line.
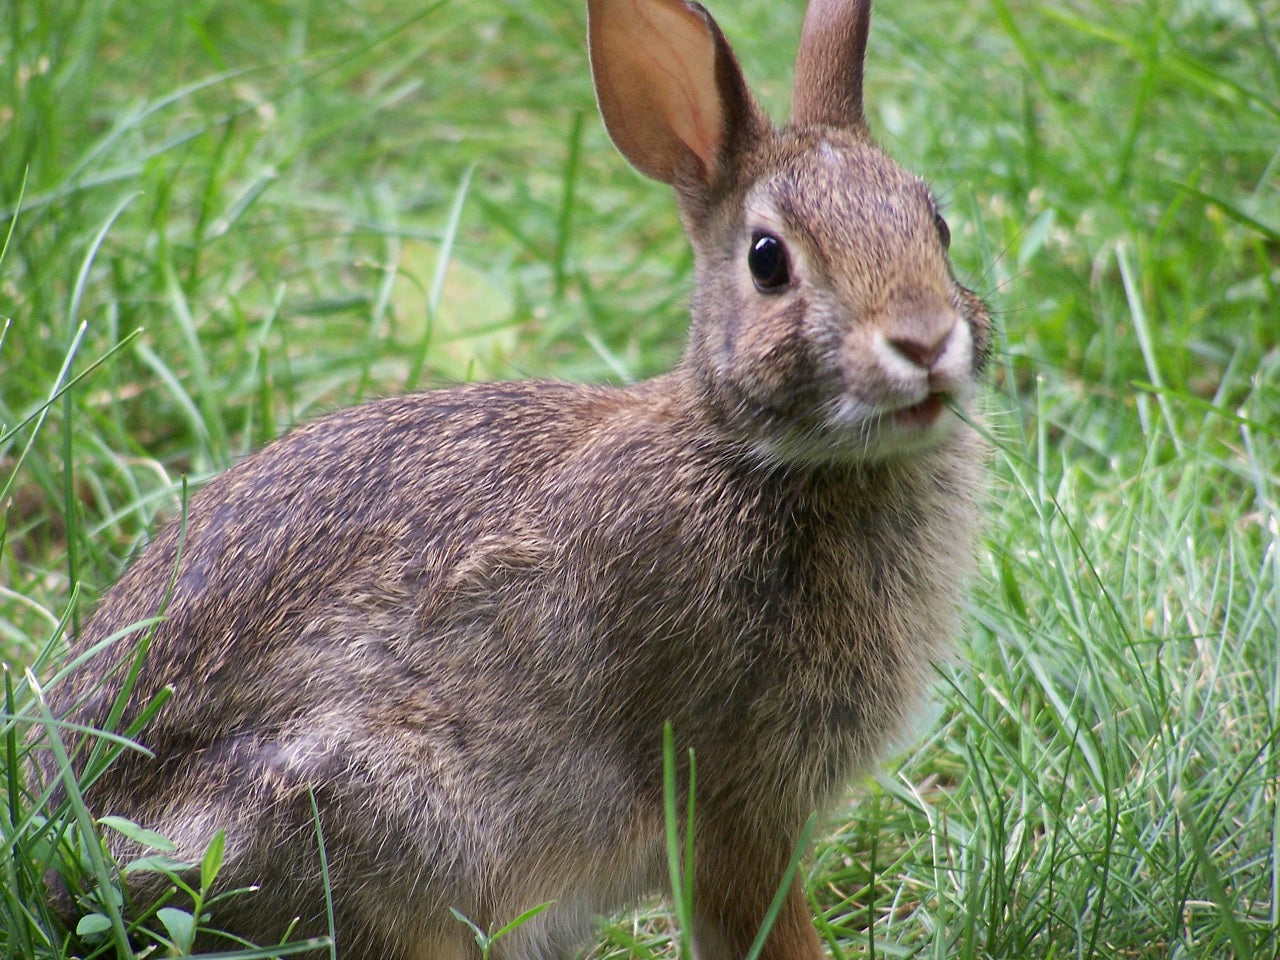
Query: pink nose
[[923, 352]]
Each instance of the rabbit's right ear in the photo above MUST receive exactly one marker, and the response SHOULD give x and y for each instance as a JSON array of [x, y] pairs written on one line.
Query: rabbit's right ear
[[829, 62], [670, 89]]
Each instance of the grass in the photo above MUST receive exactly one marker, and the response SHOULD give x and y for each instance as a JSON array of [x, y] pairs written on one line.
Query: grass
[[228, 218]]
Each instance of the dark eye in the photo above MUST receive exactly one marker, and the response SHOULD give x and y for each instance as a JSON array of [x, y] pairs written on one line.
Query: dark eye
[[944, 232], [767, 260]]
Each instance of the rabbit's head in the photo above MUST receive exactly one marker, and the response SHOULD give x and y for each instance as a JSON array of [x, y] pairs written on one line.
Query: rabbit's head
[[827, 325]]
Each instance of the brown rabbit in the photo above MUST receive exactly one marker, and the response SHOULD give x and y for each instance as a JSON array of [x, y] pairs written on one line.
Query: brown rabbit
[[460, 619]]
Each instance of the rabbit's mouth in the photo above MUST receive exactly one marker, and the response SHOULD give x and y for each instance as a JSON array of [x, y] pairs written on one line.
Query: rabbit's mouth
[[922, 415], [856, 429]]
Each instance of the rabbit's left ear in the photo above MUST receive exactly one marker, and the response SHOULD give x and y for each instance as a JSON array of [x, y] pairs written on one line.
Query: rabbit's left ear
[[669, 87]]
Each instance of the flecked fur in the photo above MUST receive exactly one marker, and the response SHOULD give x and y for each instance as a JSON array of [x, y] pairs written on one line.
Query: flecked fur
[[461, 618]]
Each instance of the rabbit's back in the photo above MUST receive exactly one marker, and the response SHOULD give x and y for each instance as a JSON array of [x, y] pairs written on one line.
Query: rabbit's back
[[356, 615]]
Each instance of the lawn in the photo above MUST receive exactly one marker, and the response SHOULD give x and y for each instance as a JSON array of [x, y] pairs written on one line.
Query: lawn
[[223, 219]]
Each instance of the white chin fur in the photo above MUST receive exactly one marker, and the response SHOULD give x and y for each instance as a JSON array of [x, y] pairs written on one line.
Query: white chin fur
[[855, 432]]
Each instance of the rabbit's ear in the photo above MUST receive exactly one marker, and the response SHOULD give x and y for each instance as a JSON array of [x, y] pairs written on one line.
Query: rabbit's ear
[[670, 90], [828, 80]]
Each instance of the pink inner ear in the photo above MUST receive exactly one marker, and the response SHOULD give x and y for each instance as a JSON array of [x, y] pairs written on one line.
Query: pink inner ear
[[683, 70], [655, 68]]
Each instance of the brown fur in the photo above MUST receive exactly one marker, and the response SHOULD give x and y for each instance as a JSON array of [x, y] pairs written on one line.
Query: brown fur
[[460, 619]]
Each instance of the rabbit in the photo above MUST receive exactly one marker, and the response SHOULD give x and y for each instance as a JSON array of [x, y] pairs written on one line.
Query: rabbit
[[457, 621]]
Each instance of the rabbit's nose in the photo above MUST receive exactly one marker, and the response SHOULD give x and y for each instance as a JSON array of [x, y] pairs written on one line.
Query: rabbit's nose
[[922, 348]]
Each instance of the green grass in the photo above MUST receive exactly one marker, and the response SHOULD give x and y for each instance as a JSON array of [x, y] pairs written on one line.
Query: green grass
[[226, 218]]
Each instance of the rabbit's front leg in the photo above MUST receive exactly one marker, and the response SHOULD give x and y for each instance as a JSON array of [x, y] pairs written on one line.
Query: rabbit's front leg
[[735, 887]]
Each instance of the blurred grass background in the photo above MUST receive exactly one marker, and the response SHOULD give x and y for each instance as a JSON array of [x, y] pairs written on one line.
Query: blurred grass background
[[226, 218]]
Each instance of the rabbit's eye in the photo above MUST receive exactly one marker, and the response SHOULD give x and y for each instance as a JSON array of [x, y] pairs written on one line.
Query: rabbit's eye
[[944, 231], [767, 260]]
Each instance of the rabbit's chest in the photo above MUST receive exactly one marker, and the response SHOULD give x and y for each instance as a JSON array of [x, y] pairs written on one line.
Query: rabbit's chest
[[857, 626]]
